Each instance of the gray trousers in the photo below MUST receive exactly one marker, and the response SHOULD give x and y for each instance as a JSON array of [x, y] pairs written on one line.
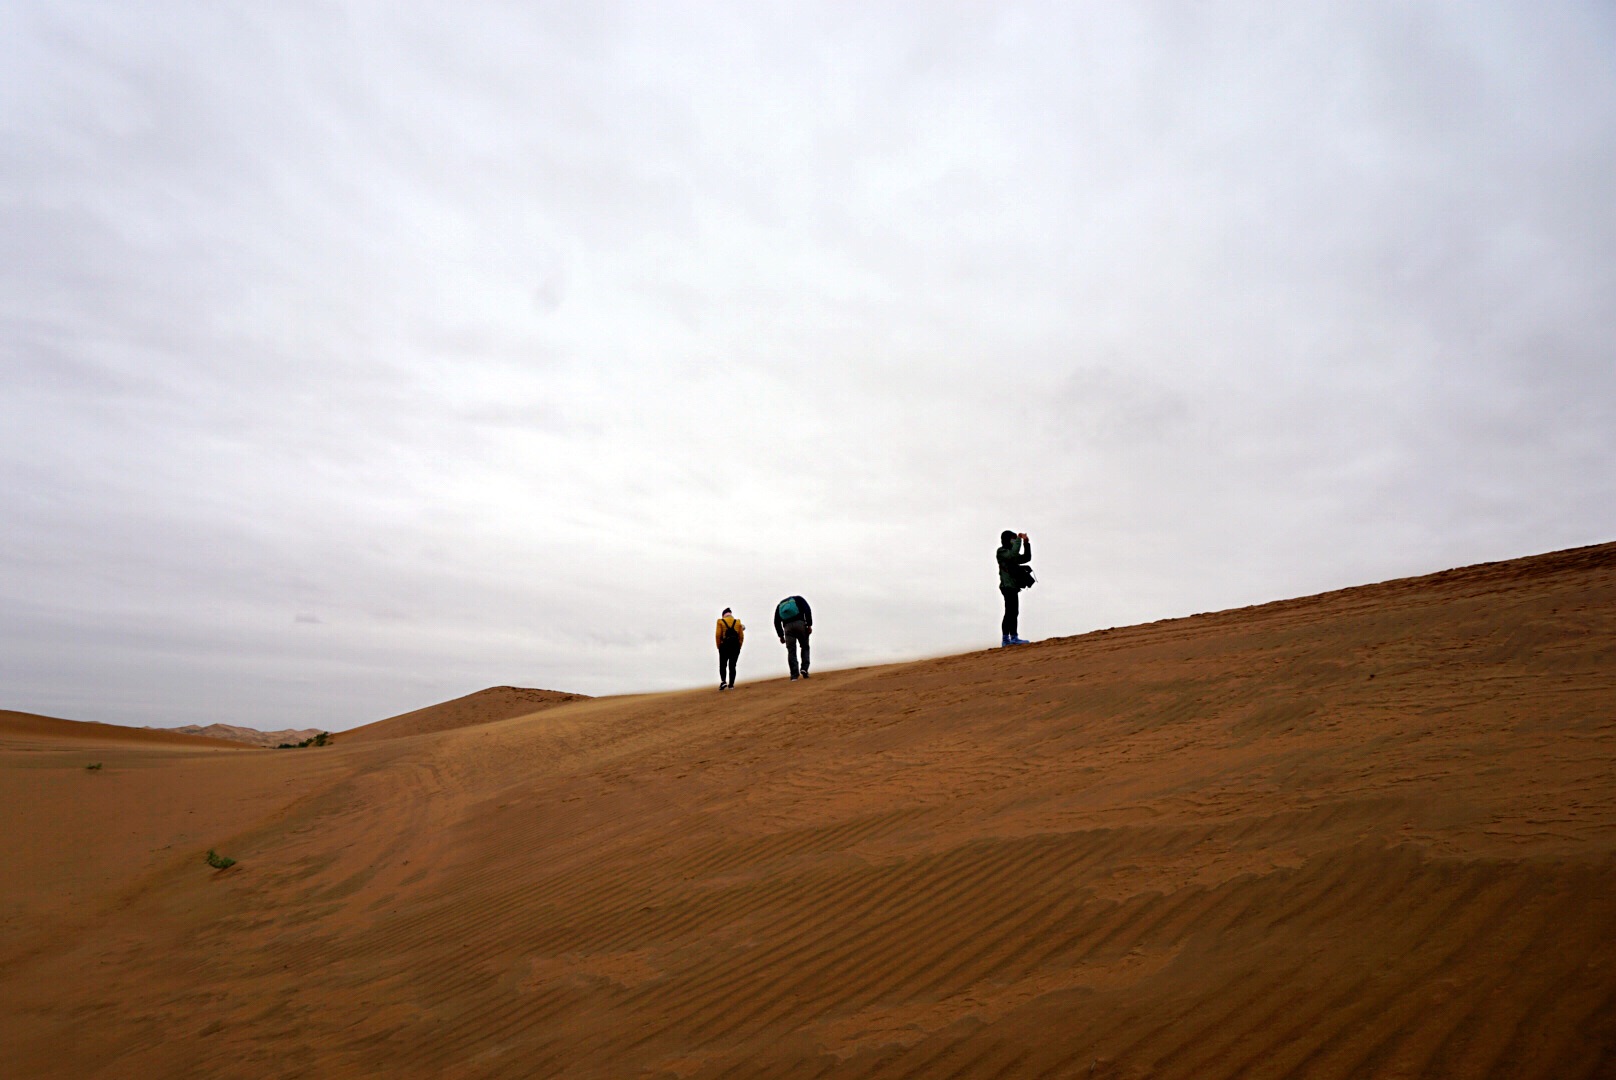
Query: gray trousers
[[796, 634]]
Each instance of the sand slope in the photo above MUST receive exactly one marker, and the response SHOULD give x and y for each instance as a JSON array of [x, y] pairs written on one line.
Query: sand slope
[[1368, 834], [250, 736], [485, 706], [19, 728]]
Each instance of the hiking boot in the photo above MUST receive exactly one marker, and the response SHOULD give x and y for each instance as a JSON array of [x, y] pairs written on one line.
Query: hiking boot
[[1004, 641], [1019, 641]]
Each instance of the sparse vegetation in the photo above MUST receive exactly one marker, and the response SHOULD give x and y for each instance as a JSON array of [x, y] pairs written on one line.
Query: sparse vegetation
[[318, 740], [94, 766], [219, 862]]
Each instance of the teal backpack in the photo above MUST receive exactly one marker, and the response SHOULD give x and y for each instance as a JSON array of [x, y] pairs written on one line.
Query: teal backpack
[[788, 610]]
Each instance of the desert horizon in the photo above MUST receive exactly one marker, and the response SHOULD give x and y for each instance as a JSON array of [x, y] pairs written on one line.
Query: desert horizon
[[394, 397], [1370, 833], [506, 701]]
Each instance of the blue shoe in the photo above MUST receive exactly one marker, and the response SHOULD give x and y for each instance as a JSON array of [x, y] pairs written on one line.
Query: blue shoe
[[1019, 641], [1004, 641]]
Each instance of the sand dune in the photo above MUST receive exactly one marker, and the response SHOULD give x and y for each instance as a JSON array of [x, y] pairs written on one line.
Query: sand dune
[[19, 728], [485, 706], [250, 736], [1366, 834]]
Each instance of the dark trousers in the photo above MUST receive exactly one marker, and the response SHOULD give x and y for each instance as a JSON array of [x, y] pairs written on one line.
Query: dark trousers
[[796, 634], [727, 657], [1012, 611]]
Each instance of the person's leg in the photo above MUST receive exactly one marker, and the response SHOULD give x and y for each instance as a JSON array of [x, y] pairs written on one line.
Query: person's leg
[[732, 657], [1012, 611], [803, 636], [721, 660], [791, 651]]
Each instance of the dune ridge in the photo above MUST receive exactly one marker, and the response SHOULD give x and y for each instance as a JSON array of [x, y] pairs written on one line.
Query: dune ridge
[[1365, 834], [32, 728], [249, 736], [482, 707]]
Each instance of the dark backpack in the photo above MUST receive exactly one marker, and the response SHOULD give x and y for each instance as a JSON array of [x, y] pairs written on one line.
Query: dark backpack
[[732, 637], [1021, 574], [788, 610]]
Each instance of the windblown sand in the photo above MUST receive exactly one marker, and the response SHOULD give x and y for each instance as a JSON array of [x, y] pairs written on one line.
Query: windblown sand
[[1367, 834]]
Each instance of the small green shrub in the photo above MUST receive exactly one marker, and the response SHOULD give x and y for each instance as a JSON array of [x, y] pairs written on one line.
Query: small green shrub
[[94, 766], [219, 862]]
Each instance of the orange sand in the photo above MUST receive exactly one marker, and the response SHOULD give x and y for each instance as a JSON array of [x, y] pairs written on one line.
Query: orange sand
[[19, 730], [1367, 834], [485, 706]]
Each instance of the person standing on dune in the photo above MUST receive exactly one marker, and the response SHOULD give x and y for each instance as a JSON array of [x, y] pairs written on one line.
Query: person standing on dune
[[793, 622], [730, 634], [1015, 552]]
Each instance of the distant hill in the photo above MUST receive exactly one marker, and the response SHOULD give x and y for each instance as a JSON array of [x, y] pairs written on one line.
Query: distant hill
[[21, 726], [250, 736], [483, 707]]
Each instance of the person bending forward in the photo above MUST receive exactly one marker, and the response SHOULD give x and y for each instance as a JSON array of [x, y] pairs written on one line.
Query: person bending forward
[[793, 623]]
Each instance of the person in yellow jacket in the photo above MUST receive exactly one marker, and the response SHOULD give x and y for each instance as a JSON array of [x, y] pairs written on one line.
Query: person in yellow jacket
[[731, 632]]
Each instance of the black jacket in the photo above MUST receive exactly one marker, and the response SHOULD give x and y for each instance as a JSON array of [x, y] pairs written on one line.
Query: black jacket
[[1012, 554], [802, 606]]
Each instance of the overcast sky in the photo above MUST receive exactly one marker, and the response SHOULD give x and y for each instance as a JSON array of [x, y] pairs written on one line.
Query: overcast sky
[[358, 356]]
